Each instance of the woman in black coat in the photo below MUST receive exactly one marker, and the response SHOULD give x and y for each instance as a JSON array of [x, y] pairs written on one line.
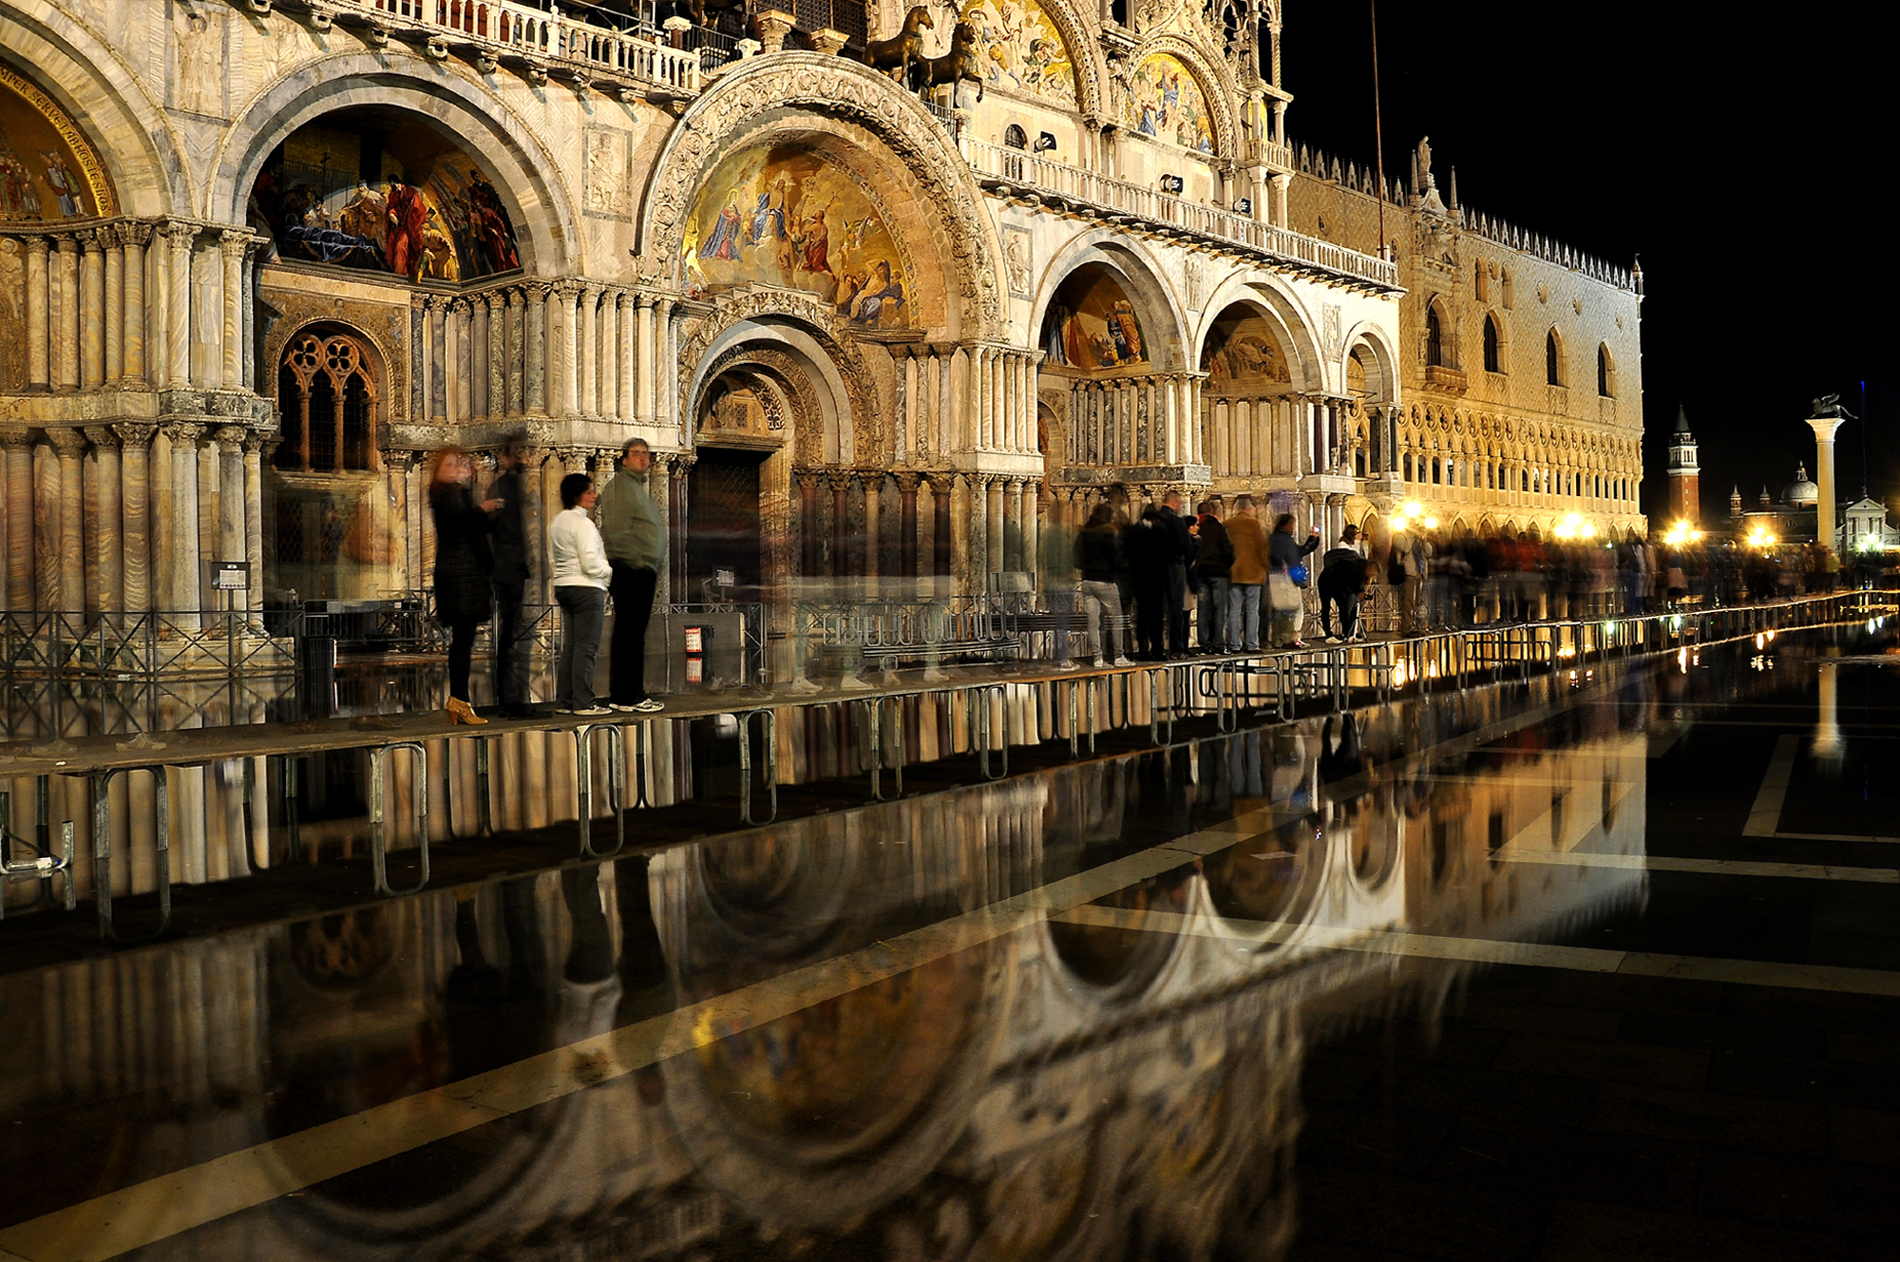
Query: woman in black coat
[[464, 569]]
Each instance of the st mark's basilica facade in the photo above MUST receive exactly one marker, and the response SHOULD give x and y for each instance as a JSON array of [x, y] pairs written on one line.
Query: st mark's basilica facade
[[260, 258]]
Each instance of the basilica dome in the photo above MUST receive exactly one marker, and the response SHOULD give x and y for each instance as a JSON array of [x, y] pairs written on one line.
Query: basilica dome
[[1801, 493]]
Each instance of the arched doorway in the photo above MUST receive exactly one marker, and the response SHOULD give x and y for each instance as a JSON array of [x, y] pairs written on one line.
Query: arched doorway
[[330, 519]]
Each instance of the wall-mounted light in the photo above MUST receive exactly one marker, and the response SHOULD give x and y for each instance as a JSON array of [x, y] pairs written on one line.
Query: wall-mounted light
[[1172, 184], [1243, 206], [1045, 142]]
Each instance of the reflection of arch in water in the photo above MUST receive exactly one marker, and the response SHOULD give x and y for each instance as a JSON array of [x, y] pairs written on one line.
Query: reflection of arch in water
[[1271, 878]]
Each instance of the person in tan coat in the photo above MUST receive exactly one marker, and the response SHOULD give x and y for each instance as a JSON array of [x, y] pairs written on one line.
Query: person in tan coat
[[1249, 539]]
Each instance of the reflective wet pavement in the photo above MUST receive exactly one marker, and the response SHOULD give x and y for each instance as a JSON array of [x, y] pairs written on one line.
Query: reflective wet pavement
[[1594, 968]]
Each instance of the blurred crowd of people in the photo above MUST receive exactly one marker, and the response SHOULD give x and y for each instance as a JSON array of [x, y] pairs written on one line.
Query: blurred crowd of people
[[1168, 584]]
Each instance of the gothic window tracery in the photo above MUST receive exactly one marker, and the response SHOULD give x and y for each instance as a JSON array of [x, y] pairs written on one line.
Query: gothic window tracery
[[329, 403]]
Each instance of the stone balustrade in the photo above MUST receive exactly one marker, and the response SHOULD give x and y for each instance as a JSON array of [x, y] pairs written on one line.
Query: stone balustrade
[[1003, 168]]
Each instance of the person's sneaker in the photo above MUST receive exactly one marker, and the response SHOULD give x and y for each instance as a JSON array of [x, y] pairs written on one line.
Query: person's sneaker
[[623, 707], [1065, 665], [648, 706], [1098, 663], [1122, 661], [591, 712], [1332, 639]]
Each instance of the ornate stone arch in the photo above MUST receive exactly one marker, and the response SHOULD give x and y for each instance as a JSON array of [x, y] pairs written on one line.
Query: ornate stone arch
[[1212, 81], [762, 311], [1141, 275], [1266, 294], [1378, 344], [726, 116], [526, 176], [143, 156]]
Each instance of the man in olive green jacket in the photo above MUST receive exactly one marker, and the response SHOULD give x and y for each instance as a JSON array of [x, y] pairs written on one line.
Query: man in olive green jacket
[[634, 532]]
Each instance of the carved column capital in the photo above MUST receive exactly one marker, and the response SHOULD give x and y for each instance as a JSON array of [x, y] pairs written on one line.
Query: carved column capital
[[16, 437], [538, 290], [398, 461], [39, 243], [181, 234], [230, 437], [235, 242], [93, 240], [186, 433], [102, 435], [67, 243], [134, 435], [135, 233], [569, 288], [907, 480], [67, 442]]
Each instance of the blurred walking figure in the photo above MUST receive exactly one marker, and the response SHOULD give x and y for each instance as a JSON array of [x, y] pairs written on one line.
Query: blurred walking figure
[[1148, 551], [1406, 571], [1288, 558], [1098, 557], [510, 546], [1180, 555], [1247, 540], [1340, 583], [581, 575], [1214, 565], [635, 537], [464, 569]]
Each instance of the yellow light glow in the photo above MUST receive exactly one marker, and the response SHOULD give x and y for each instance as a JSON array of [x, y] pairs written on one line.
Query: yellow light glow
[[1412, 508], [1431, 523], [1398, 524]]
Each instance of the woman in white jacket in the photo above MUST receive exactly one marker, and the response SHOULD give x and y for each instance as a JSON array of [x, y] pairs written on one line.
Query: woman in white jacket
[[581, 572]]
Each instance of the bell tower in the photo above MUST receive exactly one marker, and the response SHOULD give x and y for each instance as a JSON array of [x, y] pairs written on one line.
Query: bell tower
[[1685, 493]]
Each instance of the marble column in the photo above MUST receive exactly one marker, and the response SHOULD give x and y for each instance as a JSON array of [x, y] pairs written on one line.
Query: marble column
[[534, 360], [16, 451], [69, 512], [38, 318], [511, 349], [66, 338], [210, 510], [596, 354], [993, 518], [1013, 534], [665, 384], [184, 523], [624, 317], [113, 306], [179, 238], [1032, 528], [495, 380], [232, 523], [562, 395], [232, 246], [873, 567], [247, 327], [108, 518], [475, 365], [253, 541], [643, 349], [396, 476], [1826, 505]]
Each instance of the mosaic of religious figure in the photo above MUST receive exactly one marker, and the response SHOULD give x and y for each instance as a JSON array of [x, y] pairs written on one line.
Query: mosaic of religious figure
[[42, 176], [1019, 48], [416, 207], [1092, 324], [1242, 354], [1162, 99], [787, 216]]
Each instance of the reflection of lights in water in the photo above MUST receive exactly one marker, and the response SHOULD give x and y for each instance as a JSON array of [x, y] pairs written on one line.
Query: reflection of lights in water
[[1432, 670], [1566, 651], [1398, 674], [1761, 641], [1760, 662], [1675, 623], [1771, 635], [1682, 660]]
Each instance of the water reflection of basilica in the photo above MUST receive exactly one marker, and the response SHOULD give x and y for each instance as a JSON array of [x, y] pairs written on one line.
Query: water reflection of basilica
[[1065, 1019]]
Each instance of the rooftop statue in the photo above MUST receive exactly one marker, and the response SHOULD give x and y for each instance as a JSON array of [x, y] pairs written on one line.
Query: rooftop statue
[[1828, 405]]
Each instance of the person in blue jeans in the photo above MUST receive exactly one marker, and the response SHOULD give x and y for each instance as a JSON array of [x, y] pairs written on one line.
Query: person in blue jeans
[[581, 572]]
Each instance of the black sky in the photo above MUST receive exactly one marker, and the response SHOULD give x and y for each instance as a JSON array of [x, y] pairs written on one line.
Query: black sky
[[1744, 154]]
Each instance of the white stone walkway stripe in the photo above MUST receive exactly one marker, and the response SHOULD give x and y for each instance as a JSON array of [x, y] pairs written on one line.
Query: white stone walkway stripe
[[1766, 815], [1708, 867]]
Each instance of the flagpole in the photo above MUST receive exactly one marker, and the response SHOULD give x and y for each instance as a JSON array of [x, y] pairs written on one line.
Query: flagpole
[[1378, 126]]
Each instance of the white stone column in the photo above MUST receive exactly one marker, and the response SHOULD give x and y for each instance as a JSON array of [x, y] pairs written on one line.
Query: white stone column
[[562, 297], [587, 351], [1826, 506], [623, 355], [185, 524], [254, 519], [233, 244], [643, 348], [495, 357], [177, 256], [534, 360], [993, 517], [511, 349]]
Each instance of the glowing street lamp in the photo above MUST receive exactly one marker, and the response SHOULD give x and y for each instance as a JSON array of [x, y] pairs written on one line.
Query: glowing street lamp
[[1760, 537]]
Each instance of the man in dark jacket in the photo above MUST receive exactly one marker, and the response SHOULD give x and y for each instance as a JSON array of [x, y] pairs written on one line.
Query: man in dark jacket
[[1147, 551], [508, 537], [1340, 583], [1179, 552], [1214, 564]]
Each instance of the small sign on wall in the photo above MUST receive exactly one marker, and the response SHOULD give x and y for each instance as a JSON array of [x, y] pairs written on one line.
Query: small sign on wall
[[230, 576]]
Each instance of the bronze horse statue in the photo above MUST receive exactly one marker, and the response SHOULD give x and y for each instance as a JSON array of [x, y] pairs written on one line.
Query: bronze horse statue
[[960, 63], [895, 56]]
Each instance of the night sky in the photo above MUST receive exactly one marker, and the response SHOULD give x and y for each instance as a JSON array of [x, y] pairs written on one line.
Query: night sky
[[1740, 156]]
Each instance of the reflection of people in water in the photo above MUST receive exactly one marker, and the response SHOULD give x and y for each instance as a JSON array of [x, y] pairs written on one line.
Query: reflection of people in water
[[723, 241]]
